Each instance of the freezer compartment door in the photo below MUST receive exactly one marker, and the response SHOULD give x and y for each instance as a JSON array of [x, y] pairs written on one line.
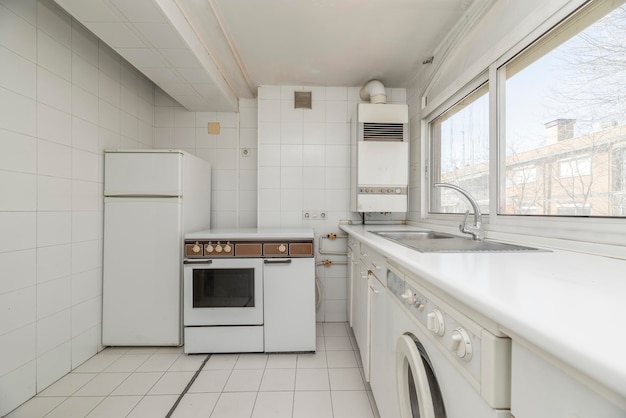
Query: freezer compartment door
[[142, 272], [143, 174]]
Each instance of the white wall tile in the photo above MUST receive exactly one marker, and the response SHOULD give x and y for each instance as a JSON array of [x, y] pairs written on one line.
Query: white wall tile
[[18, 309], [53, 56], [336, 93], [86, 225], [291, 155], [84, 316], [19, 231], [269, 177], [18, 271], [109, 116], [53, 331], [247, 200], [85, 286], [269, 92], [129, 102], [52, 365], [54, 228], [55, 22], [86, 255], [224, 180], [226, 159], [269, 132], [314, 199], [86, 195], [109, 61], [26, 9], [109, 89], [18, 35], [84, 346], [85, 165], [129, 125], [291, 200], [313, 133], [108, 139], [17, 112], [53, 262], [335, 310], [54, 159], [313, 155], [248, 116], [288, 113], [18, 348], [85, 105], [269, 110], [337, 155], [18, 191], [291, 178], [84, 74], [337, 133], [53, 90], [337, 111], [84, 43], [18, 152], [54, 125], [84, 135], [269, 201], [338, 178], [317, 112], [17, 73], [185, 137], [227, 139], [18, 386], [248, 138], [248, 179], [291, 133], [54, 193]]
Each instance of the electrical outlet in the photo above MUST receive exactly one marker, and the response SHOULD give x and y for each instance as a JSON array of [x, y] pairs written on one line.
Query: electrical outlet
[[314, 215]]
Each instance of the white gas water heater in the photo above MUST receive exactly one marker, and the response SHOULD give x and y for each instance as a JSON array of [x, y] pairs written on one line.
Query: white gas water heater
[[379, 153]]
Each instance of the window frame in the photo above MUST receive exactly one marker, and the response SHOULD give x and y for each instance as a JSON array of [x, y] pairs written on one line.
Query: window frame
[[599, 235]]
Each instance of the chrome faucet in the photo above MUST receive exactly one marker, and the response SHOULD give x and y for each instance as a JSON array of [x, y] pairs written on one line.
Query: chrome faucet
[[476, 230]]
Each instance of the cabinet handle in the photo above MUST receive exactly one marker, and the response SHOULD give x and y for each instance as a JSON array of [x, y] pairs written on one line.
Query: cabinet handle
[[198, 261], [376, 291]]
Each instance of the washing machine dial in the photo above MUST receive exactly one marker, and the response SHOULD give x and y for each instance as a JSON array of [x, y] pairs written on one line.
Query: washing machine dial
[[461, 344], [409, 297], [227, 248], [218, 248], [209, 248], [435, 322]]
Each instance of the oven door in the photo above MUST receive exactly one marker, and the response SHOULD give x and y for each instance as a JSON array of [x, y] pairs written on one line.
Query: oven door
[[223, 292]]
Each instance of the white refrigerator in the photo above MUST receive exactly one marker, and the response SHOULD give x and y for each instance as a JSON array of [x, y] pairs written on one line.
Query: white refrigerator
[[151, 199]]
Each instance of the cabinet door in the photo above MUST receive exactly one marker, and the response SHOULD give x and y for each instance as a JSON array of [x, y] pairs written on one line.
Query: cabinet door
[[378, 331], [360, 320], [289, 304]]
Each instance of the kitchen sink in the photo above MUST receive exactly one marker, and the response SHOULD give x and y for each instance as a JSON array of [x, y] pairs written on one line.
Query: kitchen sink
[[439, 242]]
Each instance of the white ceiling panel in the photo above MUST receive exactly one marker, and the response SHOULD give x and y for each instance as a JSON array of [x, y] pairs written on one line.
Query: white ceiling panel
[[118, 35], [90, 10], [181, 58], [161, 35], [142, 57], [139, 10]]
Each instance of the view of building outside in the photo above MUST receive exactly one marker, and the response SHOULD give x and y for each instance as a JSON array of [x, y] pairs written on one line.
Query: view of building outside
[[565, 129]]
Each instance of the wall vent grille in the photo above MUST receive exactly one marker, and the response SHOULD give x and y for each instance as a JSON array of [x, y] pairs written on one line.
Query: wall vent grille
[[383, 132]]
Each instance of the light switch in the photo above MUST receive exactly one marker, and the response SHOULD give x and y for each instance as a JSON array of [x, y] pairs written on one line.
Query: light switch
[[214, 128]]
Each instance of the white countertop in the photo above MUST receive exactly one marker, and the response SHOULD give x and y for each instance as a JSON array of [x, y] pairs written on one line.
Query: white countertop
[[252, 234], [571, 305]]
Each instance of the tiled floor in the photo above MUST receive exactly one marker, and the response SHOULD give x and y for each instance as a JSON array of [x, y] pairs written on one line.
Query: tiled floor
[[146, 382]]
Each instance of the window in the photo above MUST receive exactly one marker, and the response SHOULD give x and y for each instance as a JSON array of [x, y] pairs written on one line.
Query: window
[[565, 114], [460, 153]]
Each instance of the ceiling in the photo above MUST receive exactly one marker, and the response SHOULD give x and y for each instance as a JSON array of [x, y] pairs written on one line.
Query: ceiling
[[209, 53]]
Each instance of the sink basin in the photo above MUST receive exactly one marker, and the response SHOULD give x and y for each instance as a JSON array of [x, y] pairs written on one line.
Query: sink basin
[[439, 242]]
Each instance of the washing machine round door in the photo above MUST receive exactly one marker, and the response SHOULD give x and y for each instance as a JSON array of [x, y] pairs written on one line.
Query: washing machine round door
[[418, 390]]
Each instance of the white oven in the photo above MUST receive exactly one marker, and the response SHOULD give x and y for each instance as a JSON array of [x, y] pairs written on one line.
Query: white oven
[[223, 292]]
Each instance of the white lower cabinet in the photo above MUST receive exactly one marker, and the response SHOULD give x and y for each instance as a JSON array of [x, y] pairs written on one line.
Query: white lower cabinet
[[360, 316], [289, 304], [539, 389]]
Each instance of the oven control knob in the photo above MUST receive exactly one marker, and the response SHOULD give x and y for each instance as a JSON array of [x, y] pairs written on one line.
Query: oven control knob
[[435, 322], [218, 248], [409, 297], [282, 248], [398, 191], [209, 248], [227, 248], [196, 248], [461, 344]]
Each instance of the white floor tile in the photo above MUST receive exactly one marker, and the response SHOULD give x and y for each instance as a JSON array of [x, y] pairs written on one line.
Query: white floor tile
[[210, 381], [312, 405], [127, 363], [36, 407], [102, 385], [273, 405], [337, 343], [282, 361], [312, 361], [341, 359], [350, 404], [335, 329], [278, 380], [158, 363], [312, 379], [137, 384], [153, 406], [196, 405], [137, 350], [98, 363], [244, 381], [234, 405], [346, 379], [77, 406], [68, 384], [251, 361], [171, 383], [320, 344], [170, 350], [187, 363], [221, 362], [114, 406]]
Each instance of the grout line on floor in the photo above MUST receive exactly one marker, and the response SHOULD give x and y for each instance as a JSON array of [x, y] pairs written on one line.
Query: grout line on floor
[[193, 379]]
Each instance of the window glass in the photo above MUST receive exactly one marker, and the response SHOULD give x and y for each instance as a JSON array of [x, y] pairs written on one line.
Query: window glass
[[460, 153], [565, 120]]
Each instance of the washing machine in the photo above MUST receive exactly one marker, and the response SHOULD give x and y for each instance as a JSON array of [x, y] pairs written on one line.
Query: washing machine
[[445, 364]]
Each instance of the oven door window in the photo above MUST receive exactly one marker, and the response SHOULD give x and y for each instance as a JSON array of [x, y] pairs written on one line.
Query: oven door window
[[223, 288]]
